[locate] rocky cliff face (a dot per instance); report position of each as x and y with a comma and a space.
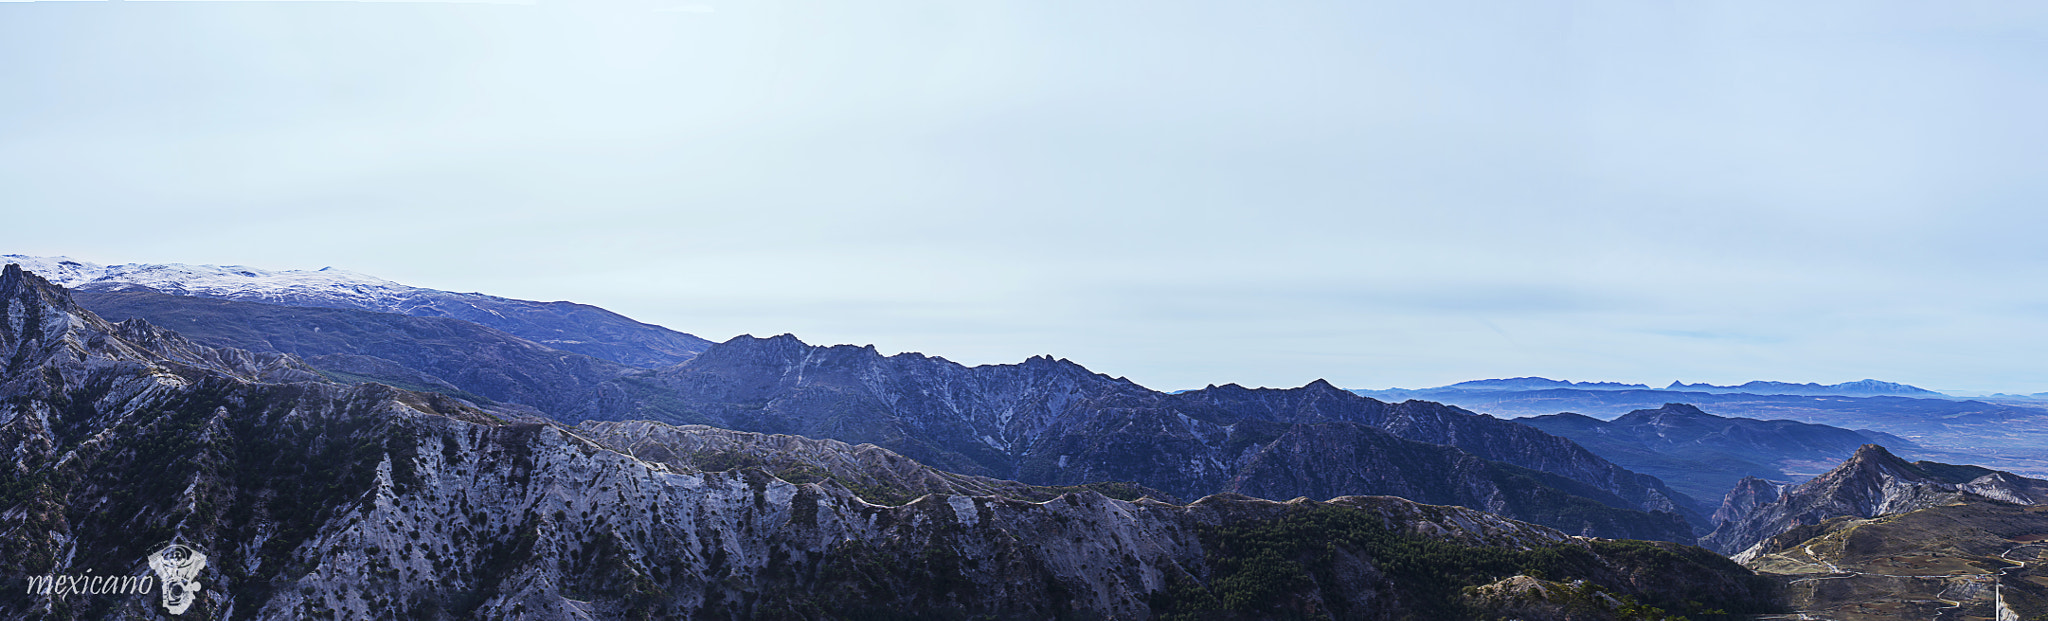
316, 500
1749, 493
1871, 483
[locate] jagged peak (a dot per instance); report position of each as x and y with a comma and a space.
44, 310
1875, 458
16, 282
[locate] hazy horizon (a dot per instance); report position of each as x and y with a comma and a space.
1376, 194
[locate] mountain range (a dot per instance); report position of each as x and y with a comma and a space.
342, 453
319, 499
1053, 422
1539, 383
1703, 455
1043, 421
1860, 388
2005, 433
565, 326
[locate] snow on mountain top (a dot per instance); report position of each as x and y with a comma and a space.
221, 281
60, 270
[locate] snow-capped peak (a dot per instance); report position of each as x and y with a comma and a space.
338, 287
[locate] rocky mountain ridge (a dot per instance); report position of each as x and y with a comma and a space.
1703, 455
1871, 483
1053, 422
2006, 434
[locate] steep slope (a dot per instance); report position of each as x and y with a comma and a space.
1871, 483
315, 500
425, 353
1052, 422
566, 326
1748, 494
1703, 455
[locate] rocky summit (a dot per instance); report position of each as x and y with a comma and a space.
311, 499
1871, 483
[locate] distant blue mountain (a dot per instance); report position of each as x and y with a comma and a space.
1540, 383
2004, 433
1862, 388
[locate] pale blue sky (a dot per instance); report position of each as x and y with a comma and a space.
1381, 194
